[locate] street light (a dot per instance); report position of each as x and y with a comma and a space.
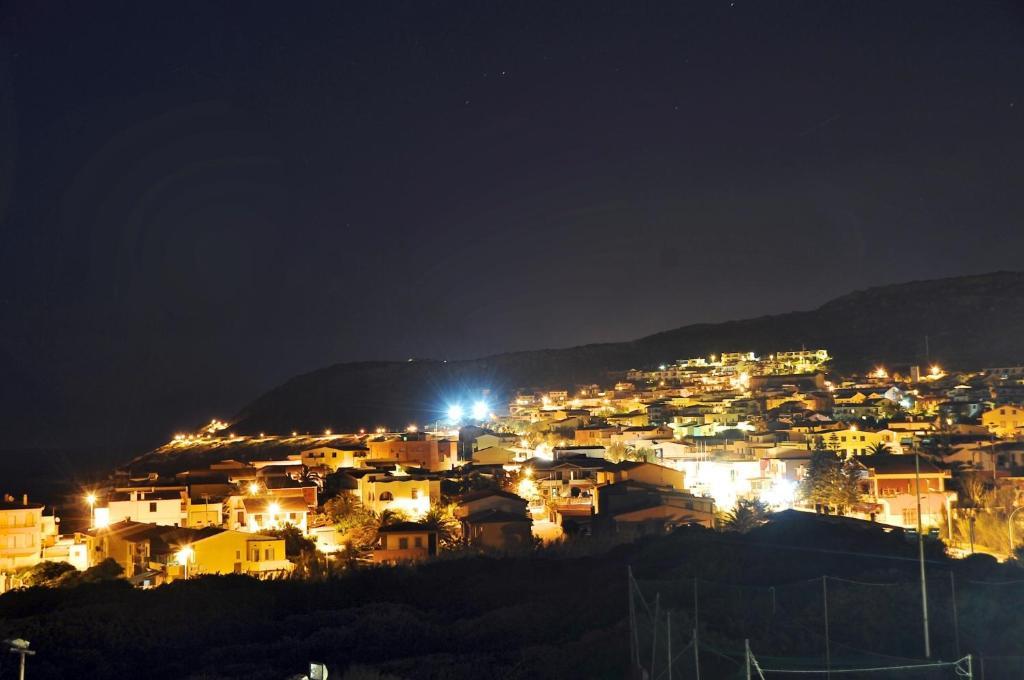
480, 410
1009, 523
184, 555
90, 498
19, 646
455, 413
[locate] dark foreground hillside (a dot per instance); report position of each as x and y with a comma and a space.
550, 616
969, 322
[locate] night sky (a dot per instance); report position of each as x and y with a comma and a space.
199, 200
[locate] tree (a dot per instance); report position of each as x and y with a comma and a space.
294, 542
641, 455
616, 452
830, 484
879, 449
442, 520
747, 515
974, 496
48, 574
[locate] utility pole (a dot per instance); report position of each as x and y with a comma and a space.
956, 618
654, 632
828, 644
746, 648
668, 636
920, 558
634, 641
696, 638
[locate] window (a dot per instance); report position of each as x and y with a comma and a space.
240, 517
256, 555
387, 496
418, 541
268, 554
909, 516
415, 494
403, 543
238, 554
152, 506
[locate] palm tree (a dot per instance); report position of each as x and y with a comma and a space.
879, 449
443, 522
747, 515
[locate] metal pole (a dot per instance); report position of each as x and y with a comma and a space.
21, 667
920, 557
828, 646
654, 632
668, 644
696, 638
746, 647
956, 619
634, 644
970, 668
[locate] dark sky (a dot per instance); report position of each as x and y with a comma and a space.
199, 200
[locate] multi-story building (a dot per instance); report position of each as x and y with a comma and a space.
407, 491
21, 533
415, 449
334, 457
166, 506
1005, 420
890, 484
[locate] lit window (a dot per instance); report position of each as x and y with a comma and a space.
387, 496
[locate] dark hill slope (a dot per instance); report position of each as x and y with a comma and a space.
969, 321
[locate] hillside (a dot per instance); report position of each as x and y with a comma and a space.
970, 321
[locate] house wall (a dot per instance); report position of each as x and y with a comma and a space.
409, 495
165, 512
20, 537
501, 536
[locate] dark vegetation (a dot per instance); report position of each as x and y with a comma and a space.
559, 613
970, 322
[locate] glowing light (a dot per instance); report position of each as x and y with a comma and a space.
274, 509
527, 488
935, 371
185, 554
411, 428
294, 433
254, 488
455, 413
880, 373
480, 410
91, 499
101, 518
781, 494
327, 431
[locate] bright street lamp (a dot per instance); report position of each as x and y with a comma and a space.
1009, 523
90, 498
455, 413
184, 555
480, 410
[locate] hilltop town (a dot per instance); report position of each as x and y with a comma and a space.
720, 441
